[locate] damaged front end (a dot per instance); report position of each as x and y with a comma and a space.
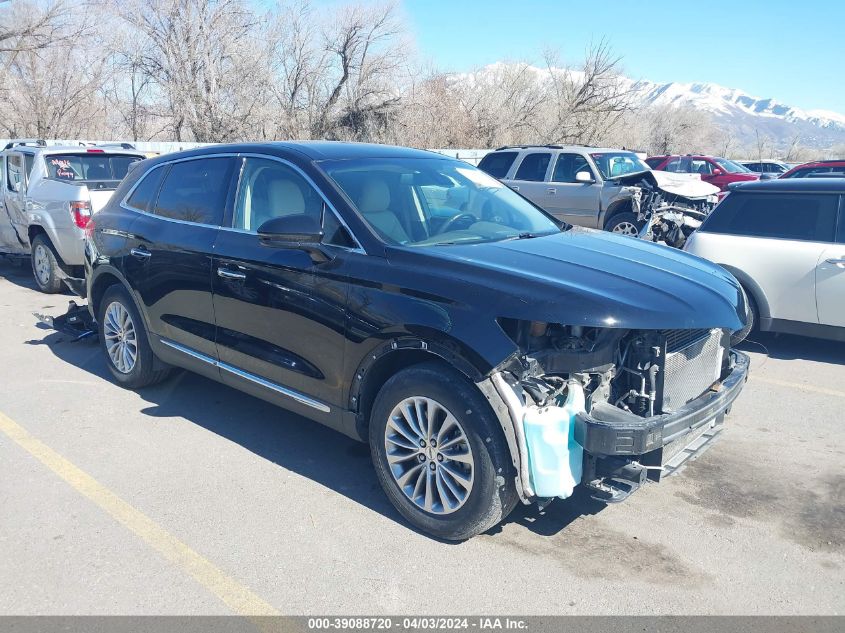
631, 405
669, 206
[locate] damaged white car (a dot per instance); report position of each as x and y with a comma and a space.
606, 189
48, 197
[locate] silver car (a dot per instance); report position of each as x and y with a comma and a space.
595, 187
49, 195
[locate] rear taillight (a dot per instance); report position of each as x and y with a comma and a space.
89, 230
81, 213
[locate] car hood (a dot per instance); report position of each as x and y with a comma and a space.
587, 277
689, 186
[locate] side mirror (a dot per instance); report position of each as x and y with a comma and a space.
584, 176
300, 232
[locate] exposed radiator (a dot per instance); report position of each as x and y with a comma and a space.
693, 363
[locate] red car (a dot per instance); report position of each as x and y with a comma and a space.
713, 169
829, 167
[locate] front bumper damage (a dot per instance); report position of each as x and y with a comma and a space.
622, 450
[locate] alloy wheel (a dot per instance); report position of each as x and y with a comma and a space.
42, 264
429, 455
121, 337
626, 228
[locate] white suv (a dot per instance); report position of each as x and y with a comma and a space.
784, 241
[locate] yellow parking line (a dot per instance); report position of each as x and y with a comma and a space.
798, 385
235, 595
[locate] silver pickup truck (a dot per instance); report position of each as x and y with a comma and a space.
48, 197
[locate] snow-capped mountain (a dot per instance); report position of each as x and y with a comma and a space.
746, 114
747, 118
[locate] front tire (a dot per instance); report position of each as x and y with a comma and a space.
752, 321
45, 266
624, 224
440, 454
124, 342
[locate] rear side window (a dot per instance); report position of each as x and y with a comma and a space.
533, 167
806, 217
195, 191
568, 165
653, 162
144, 196
497, 164
90, 166
14, 172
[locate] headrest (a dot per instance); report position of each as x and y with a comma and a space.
285, 198
375, 197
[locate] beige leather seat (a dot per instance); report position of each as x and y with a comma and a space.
284, 197
374, 203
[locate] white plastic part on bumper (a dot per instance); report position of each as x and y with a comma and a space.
555, 459
552, 465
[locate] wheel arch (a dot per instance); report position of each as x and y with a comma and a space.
36, 229
391, 357
615, 208
753, 289
105, 278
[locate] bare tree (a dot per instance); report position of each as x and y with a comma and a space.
586, 102
203, 57
358, 93
32, 25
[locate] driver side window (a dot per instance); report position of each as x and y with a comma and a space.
701, 167
270, 189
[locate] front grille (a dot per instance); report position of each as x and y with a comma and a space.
693, 364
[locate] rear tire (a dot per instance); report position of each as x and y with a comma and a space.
624, 224
45, 266
433, 431
124, 342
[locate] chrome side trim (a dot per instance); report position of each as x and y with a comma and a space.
290, 393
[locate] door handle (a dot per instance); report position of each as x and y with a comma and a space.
551, 191
140, 253
836, 261
515, 187
225, 273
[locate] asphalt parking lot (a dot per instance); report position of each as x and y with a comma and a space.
192, 498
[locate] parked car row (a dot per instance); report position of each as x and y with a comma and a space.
488, 351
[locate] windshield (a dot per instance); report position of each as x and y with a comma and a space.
89, 166
731, 167
615, 164
432, 201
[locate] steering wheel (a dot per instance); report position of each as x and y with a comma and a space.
463, 215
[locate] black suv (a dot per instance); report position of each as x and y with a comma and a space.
413, 302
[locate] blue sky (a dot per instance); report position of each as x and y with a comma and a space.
790, 50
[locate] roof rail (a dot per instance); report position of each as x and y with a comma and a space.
26, 142
529, 146
120, 145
